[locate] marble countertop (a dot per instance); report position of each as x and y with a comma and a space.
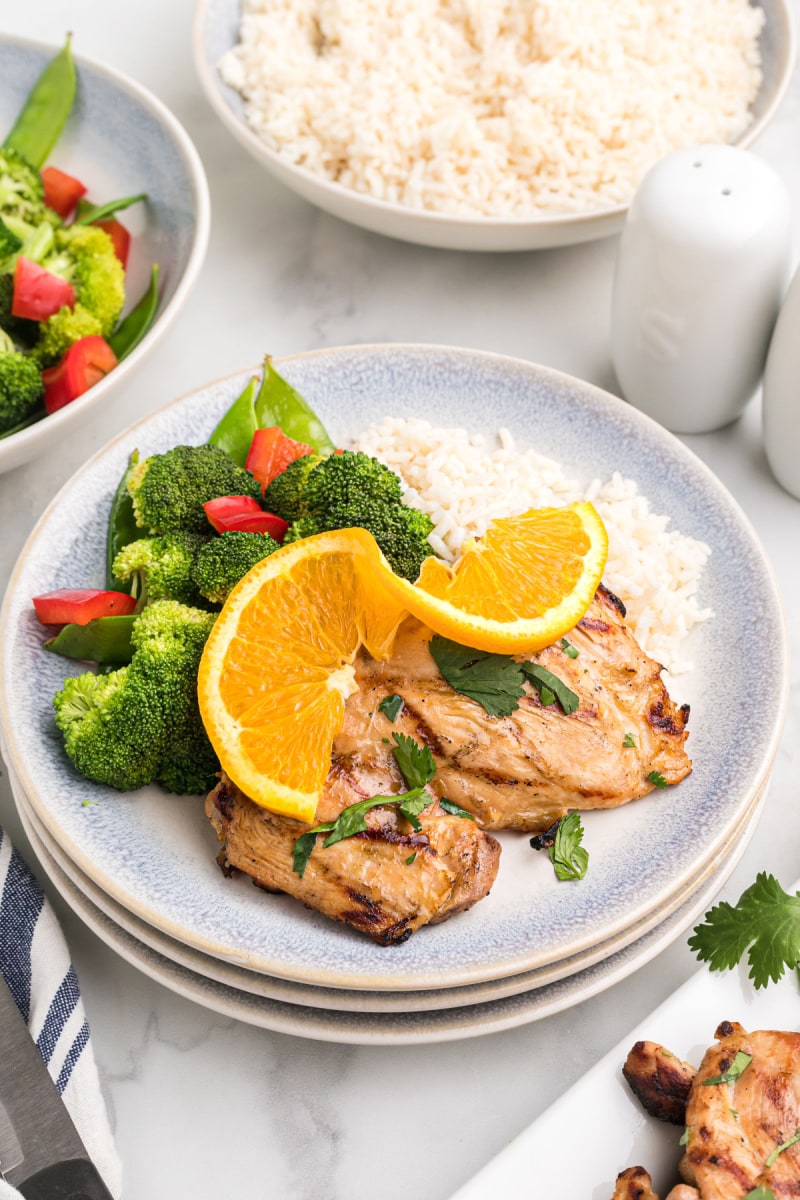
205, 1106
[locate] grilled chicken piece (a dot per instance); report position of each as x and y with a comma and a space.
736, 1128
634, 1183
660, 1081
387, 882
527, 770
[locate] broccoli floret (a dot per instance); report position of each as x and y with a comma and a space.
226, 559
21, 190
285, 496
160, 568
141, 723
10, 243
169, 490
21, 386
354, 489
84, 256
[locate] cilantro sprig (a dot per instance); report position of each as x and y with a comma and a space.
764, 924
562, 841
390, 706
496, 681
417, 766
738, 1067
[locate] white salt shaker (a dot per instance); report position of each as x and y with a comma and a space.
781, 401
702, 265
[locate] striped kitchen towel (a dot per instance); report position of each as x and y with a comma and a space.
35, 963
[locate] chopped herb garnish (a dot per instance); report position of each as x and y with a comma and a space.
567, 855
780, 1149
657, 779
762, 1192
387, 740
739, 1065
454, 809
415, 762
86, 803
568, 649
765, 923
628, 740
390, 706
352, 820
493, 680
734, 1113
684, 1137
411, 858
550, 687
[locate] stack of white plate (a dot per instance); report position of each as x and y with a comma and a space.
140, 868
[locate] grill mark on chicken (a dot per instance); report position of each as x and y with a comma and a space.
634, 1183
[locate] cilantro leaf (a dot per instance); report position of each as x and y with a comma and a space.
684, 1137
657, 779
780, 1149
390, 706
493, 680
550, 687
454, 809
628, 740
738, 1067
411, 858
568, 649
567, 855
762, 1192
352, 820
416, 762
765, 923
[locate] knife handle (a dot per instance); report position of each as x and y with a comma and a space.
74, 1179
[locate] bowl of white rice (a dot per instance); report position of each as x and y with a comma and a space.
487, 124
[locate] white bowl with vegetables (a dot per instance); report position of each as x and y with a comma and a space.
105, 218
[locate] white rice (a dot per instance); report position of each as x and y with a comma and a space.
463, 482
494, 107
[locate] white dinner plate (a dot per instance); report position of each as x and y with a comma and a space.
155, 854
214, 984
359, 1000
615, 1133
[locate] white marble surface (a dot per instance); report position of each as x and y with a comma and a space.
207, 1107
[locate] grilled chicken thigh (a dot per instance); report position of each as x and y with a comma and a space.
386, 882
527, 770
660, 1081
739, 1130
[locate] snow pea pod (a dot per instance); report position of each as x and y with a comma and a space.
277, 403
234, 433
106, 640
122, 528
89, 213
44, 113
132, 328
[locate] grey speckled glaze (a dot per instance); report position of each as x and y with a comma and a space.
325, 1014
154, 854
217, 31
120, 140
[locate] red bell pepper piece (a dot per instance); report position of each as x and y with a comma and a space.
39, 293
85, 363
270, 453
120, 238
243, 514
61, 191
79, 606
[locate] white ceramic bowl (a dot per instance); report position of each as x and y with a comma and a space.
120, 140
217, 30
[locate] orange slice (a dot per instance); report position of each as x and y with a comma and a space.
277, 667
523, 585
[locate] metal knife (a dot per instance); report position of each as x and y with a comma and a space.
41, 1152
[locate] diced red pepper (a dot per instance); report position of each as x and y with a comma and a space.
79, 606
39, 293
270, 453
120, 238
85, 363
61, 191
243, 514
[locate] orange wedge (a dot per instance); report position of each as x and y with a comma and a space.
277, 667
521, 587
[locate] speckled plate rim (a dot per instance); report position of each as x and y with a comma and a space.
342, 999
398, 1028
65, 417
470, 949
447, 230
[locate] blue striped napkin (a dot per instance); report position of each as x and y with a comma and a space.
35, 963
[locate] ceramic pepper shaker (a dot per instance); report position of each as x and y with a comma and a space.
781, 402
702, 265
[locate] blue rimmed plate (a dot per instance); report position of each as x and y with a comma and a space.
154, 854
